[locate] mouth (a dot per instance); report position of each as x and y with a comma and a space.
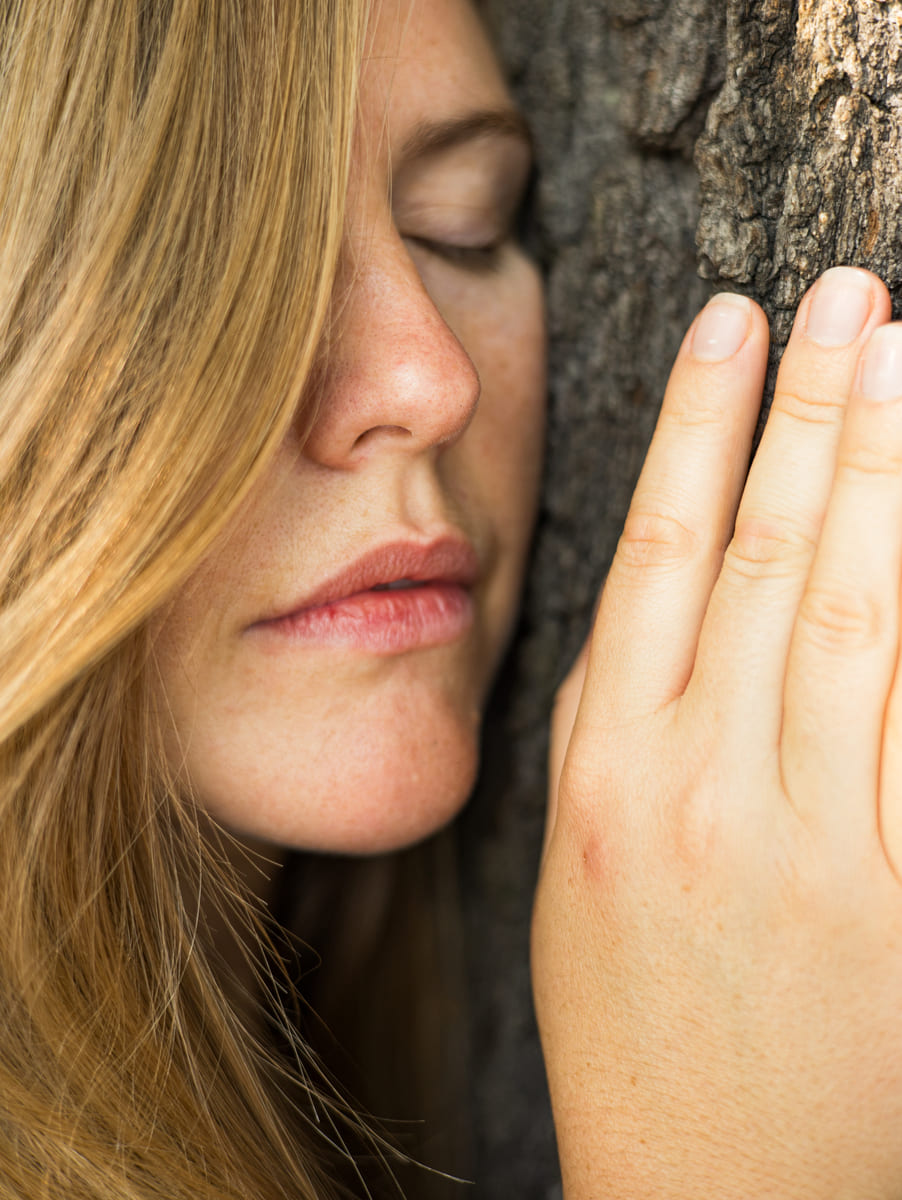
398, 597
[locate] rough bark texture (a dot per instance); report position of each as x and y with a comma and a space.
799, 164
638, 217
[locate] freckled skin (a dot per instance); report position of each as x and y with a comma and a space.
431, 421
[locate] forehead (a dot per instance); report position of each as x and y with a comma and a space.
428, 59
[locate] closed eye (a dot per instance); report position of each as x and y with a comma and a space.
485, 257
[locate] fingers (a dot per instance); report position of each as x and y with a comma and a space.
789, 640
845, 642
667, 560
744, 646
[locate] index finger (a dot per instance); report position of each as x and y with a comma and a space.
681, 516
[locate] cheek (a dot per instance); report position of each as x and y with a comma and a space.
507, 341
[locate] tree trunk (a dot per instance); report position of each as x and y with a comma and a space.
682, 145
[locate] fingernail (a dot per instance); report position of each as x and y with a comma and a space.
880, 377
840, 306
722, 327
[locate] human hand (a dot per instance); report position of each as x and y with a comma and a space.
717, 936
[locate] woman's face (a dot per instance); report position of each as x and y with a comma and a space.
327, 665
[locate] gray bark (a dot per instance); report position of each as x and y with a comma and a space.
799, 164
683, 145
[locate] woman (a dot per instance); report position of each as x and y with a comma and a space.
272, 368
237, 427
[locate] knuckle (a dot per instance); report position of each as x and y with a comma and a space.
702, 410
761, 547
870, 459
811, 408
652, 539
842, 618
591, 787
582, 780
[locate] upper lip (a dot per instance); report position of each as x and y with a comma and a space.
446, 559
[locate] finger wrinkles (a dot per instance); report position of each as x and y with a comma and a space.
844, 619
657, 539
877, 456
703, 408
763, 547
817, 407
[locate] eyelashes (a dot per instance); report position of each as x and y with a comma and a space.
480, 259
471, 234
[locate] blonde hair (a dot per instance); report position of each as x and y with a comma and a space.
172, 179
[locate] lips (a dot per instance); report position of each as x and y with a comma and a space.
398, 597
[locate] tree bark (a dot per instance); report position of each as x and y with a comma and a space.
683, 146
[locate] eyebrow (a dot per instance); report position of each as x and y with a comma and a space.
430, 137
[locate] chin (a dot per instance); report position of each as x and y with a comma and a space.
398, 809
370, 784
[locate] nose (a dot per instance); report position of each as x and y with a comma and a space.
396, 378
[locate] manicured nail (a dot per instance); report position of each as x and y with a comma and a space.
840, 306
722, 327
880, 377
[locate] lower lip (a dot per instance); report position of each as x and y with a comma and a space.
382, 622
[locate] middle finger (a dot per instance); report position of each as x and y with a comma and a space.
744, 643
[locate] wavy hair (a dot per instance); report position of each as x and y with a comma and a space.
172, 180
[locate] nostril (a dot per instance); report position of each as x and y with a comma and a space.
381, 431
